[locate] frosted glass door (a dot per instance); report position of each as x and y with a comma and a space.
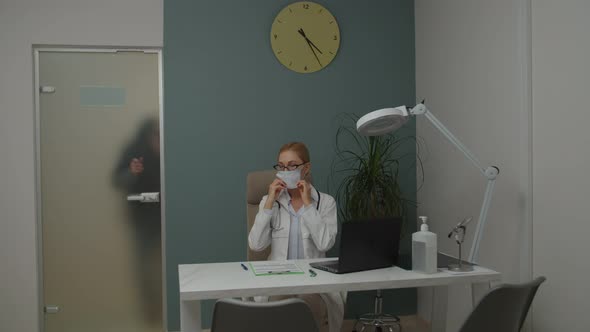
99, 151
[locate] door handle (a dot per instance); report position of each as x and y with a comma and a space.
51, 309
144, 197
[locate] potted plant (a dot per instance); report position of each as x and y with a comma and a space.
368, 172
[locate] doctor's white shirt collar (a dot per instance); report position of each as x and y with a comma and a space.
284, 197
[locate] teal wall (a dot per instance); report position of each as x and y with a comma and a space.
229, 106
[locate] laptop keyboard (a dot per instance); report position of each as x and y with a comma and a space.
330, 266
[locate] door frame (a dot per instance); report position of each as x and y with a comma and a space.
37, 49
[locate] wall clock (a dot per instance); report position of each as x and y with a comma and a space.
305, 37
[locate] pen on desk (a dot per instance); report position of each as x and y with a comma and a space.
312, 273
244, 267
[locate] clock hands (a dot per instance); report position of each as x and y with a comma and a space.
310, 44
316, 56
301, 32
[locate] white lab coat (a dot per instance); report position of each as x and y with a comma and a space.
319, 227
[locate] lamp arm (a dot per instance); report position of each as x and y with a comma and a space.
421, 109
490, 173
487, 200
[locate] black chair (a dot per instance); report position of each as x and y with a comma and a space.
290, 315
503, 308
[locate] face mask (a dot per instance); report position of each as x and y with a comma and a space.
290, 177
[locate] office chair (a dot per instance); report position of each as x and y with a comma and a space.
290, 315
503, 308
256, 187
377, 319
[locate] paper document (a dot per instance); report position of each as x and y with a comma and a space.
266, 268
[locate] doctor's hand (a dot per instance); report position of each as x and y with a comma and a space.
305, 191
273, 191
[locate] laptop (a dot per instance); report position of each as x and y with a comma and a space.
365, 245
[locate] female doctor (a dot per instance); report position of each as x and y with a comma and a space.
297, 221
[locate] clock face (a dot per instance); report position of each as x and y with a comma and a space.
305, 37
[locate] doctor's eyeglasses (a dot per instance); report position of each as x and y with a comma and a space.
288, 167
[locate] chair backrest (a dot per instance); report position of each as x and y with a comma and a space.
504, 308
290, 315
256, 187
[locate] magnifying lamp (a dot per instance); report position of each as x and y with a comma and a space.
386, 120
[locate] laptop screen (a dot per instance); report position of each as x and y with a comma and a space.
369, 244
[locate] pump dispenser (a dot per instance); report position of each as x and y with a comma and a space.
424, 249
423, 225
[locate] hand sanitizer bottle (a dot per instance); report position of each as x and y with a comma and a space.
424, 249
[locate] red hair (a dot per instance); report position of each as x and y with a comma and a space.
299, 148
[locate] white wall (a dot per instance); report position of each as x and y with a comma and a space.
472, 68
561, 85
24, 23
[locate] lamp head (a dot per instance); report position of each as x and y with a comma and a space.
383, 121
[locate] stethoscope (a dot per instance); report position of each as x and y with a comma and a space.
279, 204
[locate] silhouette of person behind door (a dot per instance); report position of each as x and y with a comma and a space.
138, 171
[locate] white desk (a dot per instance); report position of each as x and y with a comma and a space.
222, 280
